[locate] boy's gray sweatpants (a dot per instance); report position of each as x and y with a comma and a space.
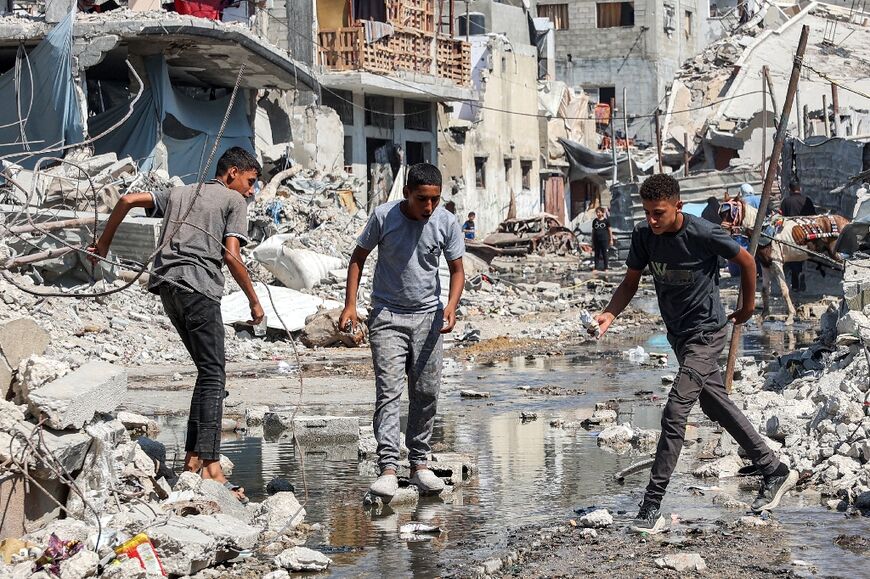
699, 378
405, 346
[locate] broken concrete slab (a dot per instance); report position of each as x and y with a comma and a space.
228, 531
326, 429
71, 401
183, 550
322, 331
81, 565
405, 496
302, 559
20, 339
726, 466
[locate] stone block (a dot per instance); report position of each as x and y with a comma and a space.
139, 424
35, 371
326, 429
23, 510
72, 401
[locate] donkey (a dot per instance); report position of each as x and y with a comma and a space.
817, 233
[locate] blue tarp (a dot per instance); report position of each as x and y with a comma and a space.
54, 117
138, 136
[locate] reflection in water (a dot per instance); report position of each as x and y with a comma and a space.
528, 472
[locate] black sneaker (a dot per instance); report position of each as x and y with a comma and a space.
772, 489
649, 519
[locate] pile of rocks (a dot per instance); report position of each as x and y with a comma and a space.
90, 487
815, 402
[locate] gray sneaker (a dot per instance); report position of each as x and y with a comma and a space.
385, 486
772, 489
427, 482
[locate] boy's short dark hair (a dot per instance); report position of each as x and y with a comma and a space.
423, 174
240, 159
794, 186
660, 186
472, 214
599, 208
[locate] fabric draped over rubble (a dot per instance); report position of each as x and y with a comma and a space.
139, 135
54, 117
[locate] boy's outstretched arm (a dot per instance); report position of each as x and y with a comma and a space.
354, 274
621, 298
233, 259
124, 205
746, 263
457, 283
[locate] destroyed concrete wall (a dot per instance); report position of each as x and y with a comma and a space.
824, 167
505, 146
318, 138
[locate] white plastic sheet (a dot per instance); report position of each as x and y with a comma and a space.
293, 307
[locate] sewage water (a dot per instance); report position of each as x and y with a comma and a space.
528, 472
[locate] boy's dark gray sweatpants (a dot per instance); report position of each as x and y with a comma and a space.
699, 378
405, 346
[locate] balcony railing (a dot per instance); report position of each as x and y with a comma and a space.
409, 50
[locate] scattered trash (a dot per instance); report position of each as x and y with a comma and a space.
473, 394
284, 367
141, 548
590, 323
637, 355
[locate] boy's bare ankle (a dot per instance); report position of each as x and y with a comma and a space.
388, 472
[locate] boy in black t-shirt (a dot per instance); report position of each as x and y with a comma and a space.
682, 252
602, 239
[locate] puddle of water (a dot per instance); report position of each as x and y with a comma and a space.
528, 472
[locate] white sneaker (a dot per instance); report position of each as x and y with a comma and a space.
385, 486
427, 482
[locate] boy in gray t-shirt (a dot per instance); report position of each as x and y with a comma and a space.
407, 319
204, 227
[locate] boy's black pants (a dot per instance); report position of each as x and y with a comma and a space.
600, 252
699, 378
198, 321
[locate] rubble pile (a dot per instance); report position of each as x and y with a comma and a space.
101, 503
815, 402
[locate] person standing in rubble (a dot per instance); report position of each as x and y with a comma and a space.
602, 239
682, 252
796, 204
407, 319
205, 230
468, 228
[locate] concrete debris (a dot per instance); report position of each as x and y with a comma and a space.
726, 466
302, 559
82, 564
34, 372
622, 437
682, 562
814, 401
72, 401
138, 424
597, 519
322, 331
473, 394
280, 512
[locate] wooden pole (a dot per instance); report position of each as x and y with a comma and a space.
763, 119
825, 115
613, 136
659, 140
797, 101
685, 154
766, 72
769, 176
52, 225
835, 102
625, 130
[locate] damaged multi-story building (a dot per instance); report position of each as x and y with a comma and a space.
383, 65
163, 110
